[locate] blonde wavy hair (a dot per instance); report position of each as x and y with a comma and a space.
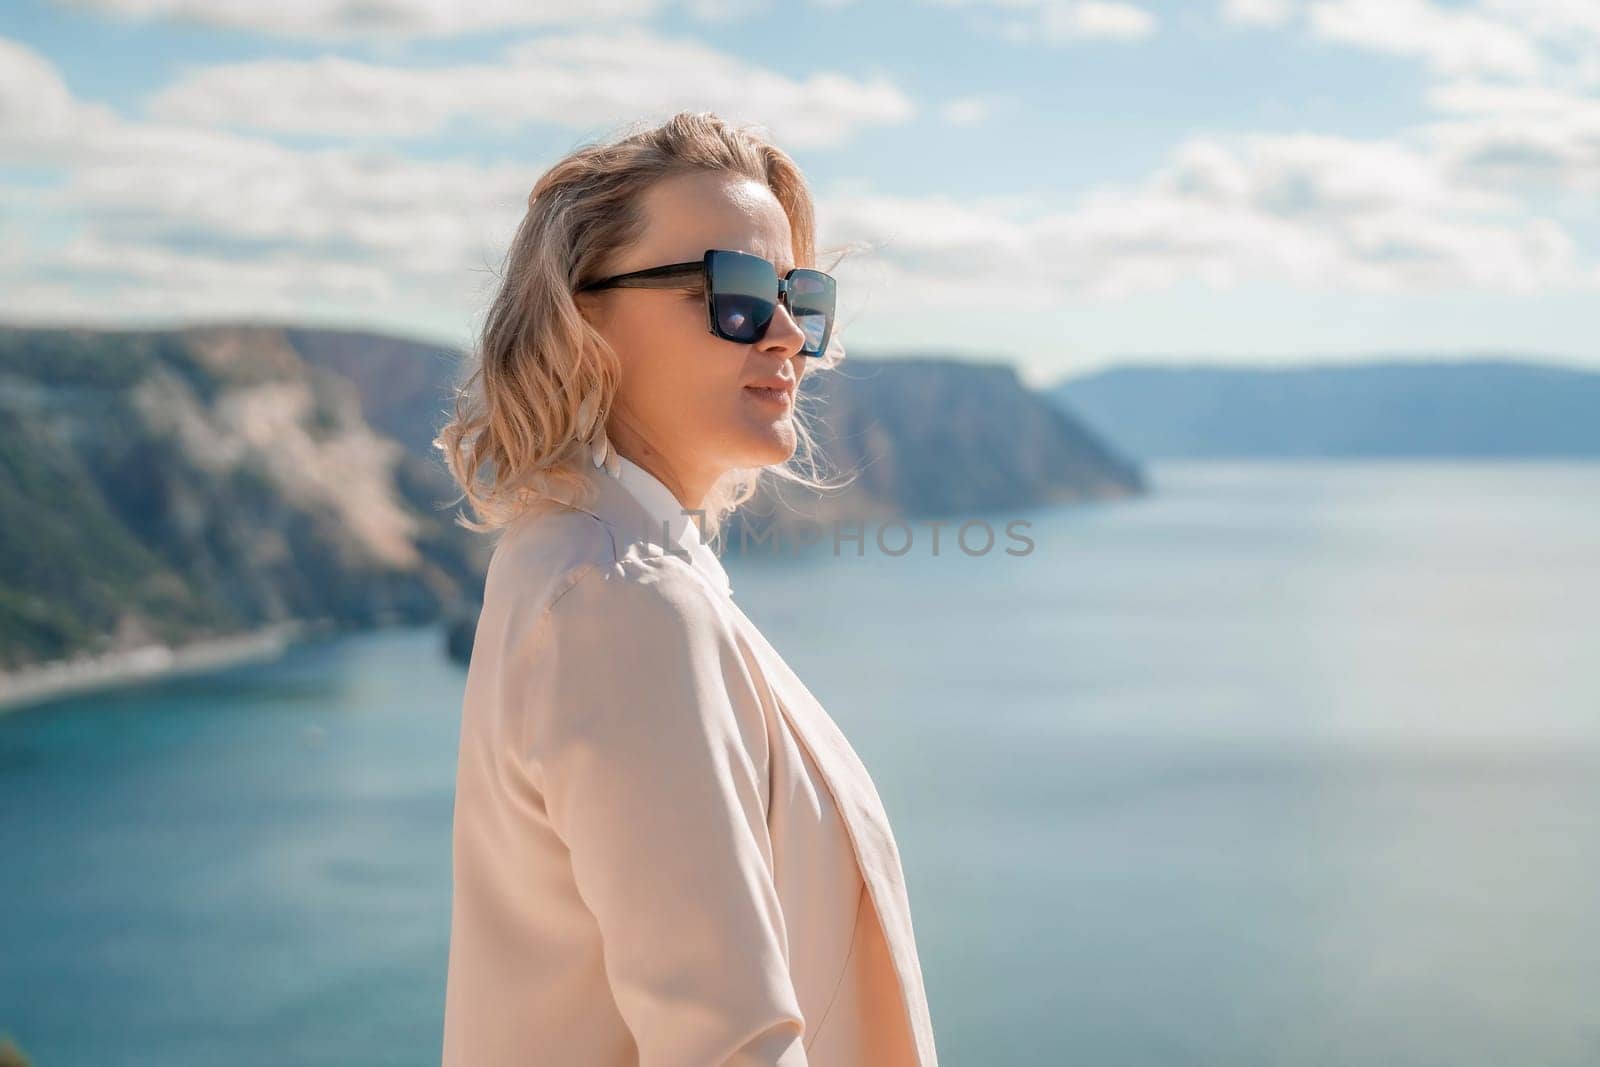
542, 380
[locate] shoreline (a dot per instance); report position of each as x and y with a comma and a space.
38, 684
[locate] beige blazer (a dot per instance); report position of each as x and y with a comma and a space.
665, 852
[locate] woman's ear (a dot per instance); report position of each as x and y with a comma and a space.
591, 307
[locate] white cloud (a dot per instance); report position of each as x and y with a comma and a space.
376, 19
1322, 213
1030, 21
33, 98
971, 110
1518, 137
1451, 40
1549, 18
1096, 19
41, 122
165, 219
1555, 41
170, 219
1326, 211
182, 214
1568, 30
573, 80
1259, 12
1515, 79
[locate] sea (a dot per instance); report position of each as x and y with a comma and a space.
1283, 763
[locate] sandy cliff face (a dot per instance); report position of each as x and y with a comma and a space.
307, 439
165, 486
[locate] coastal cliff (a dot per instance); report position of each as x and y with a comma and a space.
917, 437
160, 487
202, 487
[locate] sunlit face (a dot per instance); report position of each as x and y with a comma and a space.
684, 408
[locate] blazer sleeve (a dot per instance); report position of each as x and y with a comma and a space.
647, 739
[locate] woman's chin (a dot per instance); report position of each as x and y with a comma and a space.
769, 442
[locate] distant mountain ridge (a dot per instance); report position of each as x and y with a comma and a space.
919, 436
927, 437
167, 486
1382, 408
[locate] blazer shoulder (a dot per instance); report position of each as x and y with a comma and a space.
574, 560
541, 554
642, 593
632, 648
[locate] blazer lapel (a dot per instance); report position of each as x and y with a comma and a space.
868, 824
846, 777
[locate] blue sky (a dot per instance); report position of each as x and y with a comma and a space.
1064, 184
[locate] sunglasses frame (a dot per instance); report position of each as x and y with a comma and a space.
671, 276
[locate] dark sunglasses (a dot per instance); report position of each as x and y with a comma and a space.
742, 295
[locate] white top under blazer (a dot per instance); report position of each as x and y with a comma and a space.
665, 852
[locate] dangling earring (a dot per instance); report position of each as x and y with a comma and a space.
601, 452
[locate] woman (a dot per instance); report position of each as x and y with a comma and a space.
665, 852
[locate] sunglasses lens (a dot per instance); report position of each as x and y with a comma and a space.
743, 289
811, 300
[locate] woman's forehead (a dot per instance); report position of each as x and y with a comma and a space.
691, 251
742, 216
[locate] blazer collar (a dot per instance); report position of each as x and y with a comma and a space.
653, 495
641, 511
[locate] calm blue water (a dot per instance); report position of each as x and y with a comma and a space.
1285, 764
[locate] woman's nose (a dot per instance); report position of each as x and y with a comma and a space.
783, 331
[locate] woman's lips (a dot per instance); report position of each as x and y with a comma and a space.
779, 397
